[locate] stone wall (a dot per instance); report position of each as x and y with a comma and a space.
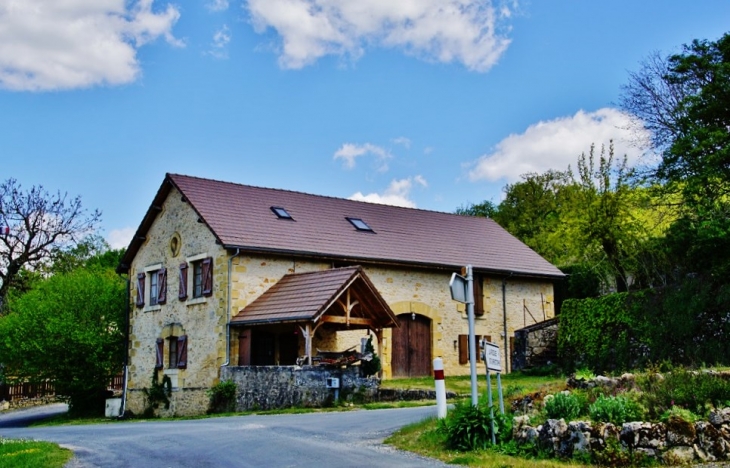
269, 387
536, 345
674, 442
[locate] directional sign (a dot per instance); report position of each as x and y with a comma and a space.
457, 284
494, 360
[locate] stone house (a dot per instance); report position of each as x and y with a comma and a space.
224, 275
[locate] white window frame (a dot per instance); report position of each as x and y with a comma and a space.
191, 279
148, 287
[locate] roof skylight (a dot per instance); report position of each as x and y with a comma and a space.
281, 212
360, 225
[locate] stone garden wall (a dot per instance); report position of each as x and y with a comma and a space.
674, 442
535, 345
269, 387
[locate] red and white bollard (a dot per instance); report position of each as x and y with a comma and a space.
438, 376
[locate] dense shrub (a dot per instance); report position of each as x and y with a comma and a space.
222, 397
566, 406
468, 427
597, 333
690, 390
615, 409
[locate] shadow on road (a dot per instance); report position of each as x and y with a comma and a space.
24, 417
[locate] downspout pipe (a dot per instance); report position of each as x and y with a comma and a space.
504, 321
228, 309
127, 322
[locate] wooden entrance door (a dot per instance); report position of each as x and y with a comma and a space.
412, 346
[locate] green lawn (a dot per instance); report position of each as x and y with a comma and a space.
20, 453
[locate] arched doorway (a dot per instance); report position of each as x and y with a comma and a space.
412, 346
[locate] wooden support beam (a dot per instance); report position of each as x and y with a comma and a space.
347, 307
347, 321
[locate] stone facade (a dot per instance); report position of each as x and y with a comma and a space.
176, 237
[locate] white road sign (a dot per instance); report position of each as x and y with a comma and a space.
494, 360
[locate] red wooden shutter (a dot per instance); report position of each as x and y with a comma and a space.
207, 270
182, 291
478, 296
463, 349
160, 349
182, 352
161, 285
140, 290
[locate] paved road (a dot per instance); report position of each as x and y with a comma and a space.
347, 439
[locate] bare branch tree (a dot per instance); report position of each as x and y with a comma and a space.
654, 100
32, 224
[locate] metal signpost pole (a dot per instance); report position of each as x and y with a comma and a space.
499, 390
489, 392
472, 339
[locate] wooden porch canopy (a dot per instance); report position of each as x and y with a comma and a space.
344, 298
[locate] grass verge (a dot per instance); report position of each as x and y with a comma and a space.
424, 439
21, 453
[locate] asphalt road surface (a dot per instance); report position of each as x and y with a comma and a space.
338, 439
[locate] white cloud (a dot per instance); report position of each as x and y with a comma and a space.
217, 5
66, 44
350, 151
396, 194
467, 31
555, 144
221, 38
119, 238
403, 141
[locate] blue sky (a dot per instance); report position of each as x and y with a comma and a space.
425, 103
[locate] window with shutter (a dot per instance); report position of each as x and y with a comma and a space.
140, 290
154, 285
182, 292
172, 353
160, 351
182, 352
198, 279
464, 348
207, 272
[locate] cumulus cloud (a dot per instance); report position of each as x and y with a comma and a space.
471, 32
348, 152
221, 38
66, 44
555, 144
396, 194
119, 238
217, 5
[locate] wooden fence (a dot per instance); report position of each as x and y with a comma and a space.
43, 389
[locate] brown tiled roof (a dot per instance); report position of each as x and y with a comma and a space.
301, 297
240, 216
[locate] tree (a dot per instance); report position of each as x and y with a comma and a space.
485, 209
68, 329
32, 224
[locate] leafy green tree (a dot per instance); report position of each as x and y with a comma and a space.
68, 329
91, 251
485, 209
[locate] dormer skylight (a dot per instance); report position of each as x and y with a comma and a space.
281, 212
360, 225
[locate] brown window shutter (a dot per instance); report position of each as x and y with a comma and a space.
463, 349
162, 285
478, 296
207, 270
182, 352
160, 350
140, 290
182, 292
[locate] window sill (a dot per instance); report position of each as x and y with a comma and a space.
197, 300
152, 308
